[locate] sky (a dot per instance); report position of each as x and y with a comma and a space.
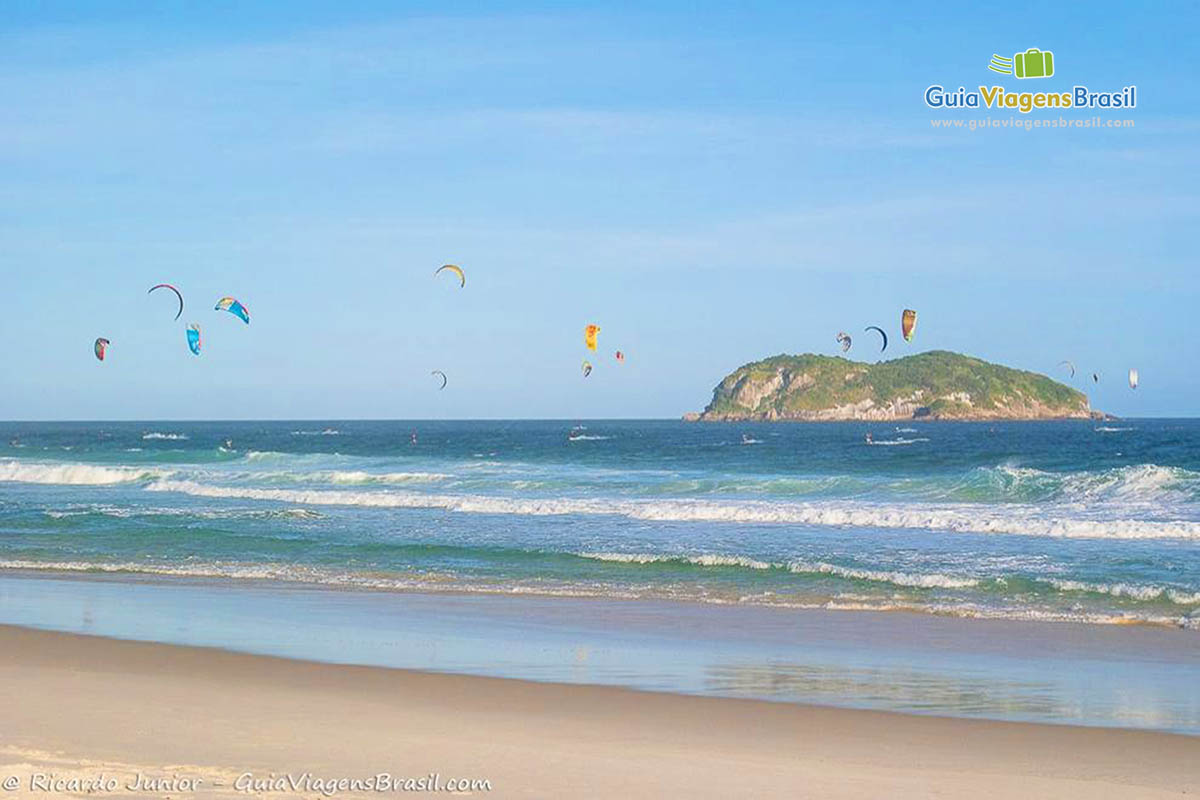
709, 184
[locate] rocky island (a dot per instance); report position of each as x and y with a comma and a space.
934, 385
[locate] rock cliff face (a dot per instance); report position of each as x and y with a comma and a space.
934, 385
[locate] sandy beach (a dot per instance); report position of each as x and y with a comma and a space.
211, 722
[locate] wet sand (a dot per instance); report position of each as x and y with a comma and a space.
1115, 676
79, 707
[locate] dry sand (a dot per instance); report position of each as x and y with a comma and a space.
79, 708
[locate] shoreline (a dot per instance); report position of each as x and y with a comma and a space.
212, 715
118, 575
1107, 676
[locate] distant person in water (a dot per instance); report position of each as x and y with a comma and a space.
412, 437
870, 438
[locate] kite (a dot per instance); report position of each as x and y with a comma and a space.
193, 338
587, 368
462, 279
1133, 379
443, 376
1069, 366
177, 294
620, 357
908, 323
881, 333
843, 339
100, 346
589, 336
233, 307
1095, 377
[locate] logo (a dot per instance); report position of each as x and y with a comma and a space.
1033, 63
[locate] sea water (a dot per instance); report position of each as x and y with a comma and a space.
1057, 522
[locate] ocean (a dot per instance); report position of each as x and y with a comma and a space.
1051, 521
1095, 524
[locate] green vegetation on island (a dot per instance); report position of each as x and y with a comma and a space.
934, 385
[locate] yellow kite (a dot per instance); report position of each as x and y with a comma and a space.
589, 336
908, 323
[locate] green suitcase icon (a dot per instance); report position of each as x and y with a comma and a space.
1034, 63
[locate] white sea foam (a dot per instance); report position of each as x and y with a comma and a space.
703, 560
278, 572
342, 477
133, 512
972, 611
171, 436
264, 455
324, 432
291, 460
335, 497
74, 474
918, 581
964, 518
1133, 591
78, 512
356, 476
436, 582
921, 581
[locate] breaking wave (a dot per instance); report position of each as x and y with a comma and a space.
962, 518
1132, 591
698, 560
74, 474
119, 512
909, 580
349, 477
1147, 483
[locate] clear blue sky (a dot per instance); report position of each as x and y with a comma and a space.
709, 186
